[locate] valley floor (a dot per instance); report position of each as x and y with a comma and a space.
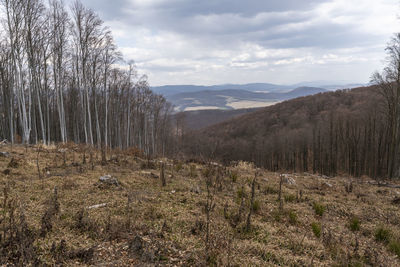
67, 216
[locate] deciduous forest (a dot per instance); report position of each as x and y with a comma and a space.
63, 79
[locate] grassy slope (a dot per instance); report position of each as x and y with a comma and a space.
168, 219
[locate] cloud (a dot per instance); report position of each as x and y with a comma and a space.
225, 41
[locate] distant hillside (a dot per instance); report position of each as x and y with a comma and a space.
234, 98
341, 131
168, 90
198, 119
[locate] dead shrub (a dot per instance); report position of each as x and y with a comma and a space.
18, 238
14, 163
85, 224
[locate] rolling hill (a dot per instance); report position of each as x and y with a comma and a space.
328, 133
168, 90
234, 98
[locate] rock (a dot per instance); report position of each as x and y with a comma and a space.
328, 185
265, 179
107, 179
288, 180
97, 206
4, 154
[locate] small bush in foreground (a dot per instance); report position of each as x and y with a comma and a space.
382, 234
256, 205
234, 176
394, 247
316, 228
319, 208
354, 224
290, 198
292, 217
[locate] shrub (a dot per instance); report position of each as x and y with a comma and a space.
354, 224
256, 205
277, 214
178, 166
290, 198
234, 176
319, 208
316, 228
394, 246
382, 234
292, 217
240, 194
271, 190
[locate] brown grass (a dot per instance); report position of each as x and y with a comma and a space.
145, 222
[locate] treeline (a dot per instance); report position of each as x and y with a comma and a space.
62, 79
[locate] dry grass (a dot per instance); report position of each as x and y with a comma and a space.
142, 222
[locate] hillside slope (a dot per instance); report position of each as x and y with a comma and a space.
67, 216
326, 133
198, 119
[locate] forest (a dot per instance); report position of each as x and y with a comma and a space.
62, 79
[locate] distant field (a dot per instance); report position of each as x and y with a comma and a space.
201, 108
250, 104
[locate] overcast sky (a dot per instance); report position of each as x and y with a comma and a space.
242, 41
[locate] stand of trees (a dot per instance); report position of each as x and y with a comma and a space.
63, 79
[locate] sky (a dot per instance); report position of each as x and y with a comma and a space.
206, 42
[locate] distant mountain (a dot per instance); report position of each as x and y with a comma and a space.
330, 85
168, 90
228, 99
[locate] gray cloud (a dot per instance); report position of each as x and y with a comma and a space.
219, 41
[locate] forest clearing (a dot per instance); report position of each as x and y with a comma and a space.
55, 210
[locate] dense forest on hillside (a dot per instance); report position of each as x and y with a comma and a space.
330, 133
197, 119
63, 79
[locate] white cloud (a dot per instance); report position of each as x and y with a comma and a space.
214, 42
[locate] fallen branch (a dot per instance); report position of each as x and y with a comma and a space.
384, 184
97, 206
